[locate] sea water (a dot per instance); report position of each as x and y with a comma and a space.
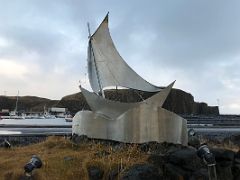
5, 130
55, 121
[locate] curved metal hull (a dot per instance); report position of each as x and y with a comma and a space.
137, 125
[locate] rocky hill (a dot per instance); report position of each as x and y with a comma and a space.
26, 103
178, 101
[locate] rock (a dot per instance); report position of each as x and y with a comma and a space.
237, 177
185, 164
173, 148
106, 142
186, 158
67, 158
224, 158
113, 174
175, 172
224, 173
160, 148
157, 160
236, 171
149, 146
79, 139
142, 172
237, 160
236, 166
144, 147
182, 163
23, 177
95, 173
101, 153
224, 161
235, 139
119, 147
237, 156
200, 174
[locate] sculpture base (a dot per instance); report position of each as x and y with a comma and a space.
137, 125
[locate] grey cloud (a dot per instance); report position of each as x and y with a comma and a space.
196, 41
188, 32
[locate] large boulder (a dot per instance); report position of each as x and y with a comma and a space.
142, 172
186, 158
235, 139
95, 173
172, 171
179, 163
224, 163
224, 157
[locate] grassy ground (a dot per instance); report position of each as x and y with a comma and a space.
64, 160
222, 145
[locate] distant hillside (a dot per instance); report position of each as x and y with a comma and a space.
178, 101
26, 103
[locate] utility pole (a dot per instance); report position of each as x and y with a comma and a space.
16, 107
218, 103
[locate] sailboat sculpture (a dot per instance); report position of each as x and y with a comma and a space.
126, 122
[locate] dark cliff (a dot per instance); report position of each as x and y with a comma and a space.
181, 102
178, 101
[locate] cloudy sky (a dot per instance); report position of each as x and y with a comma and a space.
43, 45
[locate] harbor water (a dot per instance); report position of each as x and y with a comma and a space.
34, 126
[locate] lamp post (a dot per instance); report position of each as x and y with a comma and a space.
193, 139
35, 162
209, 159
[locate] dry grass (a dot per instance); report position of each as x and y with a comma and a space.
227, 144
64, 160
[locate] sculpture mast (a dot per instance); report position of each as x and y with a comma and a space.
101, 93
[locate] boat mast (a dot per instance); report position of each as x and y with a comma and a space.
101, 93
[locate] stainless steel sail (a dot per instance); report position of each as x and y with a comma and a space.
112, 109
105, 107
130, 122
107, 68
